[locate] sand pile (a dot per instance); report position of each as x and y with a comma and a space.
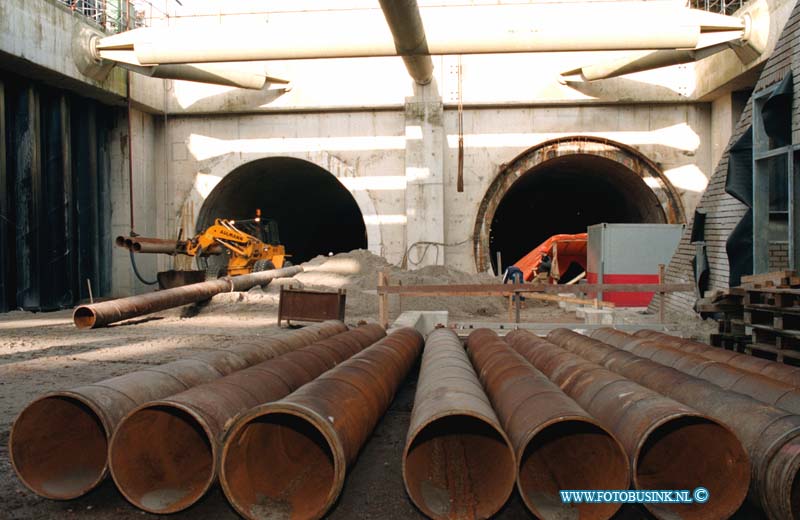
357, 273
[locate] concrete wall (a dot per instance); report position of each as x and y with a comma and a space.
368, 152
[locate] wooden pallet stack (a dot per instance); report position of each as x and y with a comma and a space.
771, 315
729, 308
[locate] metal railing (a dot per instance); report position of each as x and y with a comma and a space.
113, 15
717, 6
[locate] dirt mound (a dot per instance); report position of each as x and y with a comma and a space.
357, 273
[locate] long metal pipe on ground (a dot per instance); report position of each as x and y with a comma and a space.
770, 435
164, 455
104, 313
288, 459
59, 442
557, 444
670, 445
778, 371
760, 388
453, 426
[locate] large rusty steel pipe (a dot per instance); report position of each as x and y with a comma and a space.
59, 442
778, 371
770, 435
557, 444
288, 459
164, 455
760, 388
670, 445
105, 313
457, 462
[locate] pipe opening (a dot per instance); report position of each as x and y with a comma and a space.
162, 459
795, 497
58, 447
571, 454
315, 213
84, 317
279, 465
566, 195
692, 452
459, 467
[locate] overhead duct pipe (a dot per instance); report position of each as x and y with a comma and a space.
164, 455
453, 426
59, 443
770, 435
670, 445
774, 370
409, 37
288, 459
760, 388
749, 41
251, 76
557, 444
475, 29
101, 314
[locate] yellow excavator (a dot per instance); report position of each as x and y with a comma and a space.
251, 245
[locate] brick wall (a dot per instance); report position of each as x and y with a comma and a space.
723, 212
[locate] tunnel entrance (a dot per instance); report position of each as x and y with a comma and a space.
564, 186
315, 213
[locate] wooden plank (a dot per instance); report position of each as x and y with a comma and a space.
568, 299
767, 277
774, 350
507, 289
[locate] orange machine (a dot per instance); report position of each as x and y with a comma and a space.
562, 249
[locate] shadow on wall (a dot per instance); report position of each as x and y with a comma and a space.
316, 215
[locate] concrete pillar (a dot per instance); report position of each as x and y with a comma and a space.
424, 162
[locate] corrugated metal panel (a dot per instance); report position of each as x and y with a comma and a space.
56, 164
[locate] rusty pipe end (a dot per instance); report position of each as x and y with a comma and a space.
58, 446
282, 460
459, 464
163, 457
120, 242
84, 317
691, 451
136, 247
780, 492
570, 453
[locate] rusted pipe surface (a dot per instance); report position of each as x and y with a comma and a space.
760, 388
558, 445
770, 435
778, 371
457, 462
670, 445
288, 459
59, 442
164, 455
105, 313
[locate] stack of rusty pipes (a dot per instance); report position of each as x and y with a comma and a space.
778, 371
557, 444
770, 435
164, 455
670, 445
759, 387
457, 461
59, 443
289, 458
